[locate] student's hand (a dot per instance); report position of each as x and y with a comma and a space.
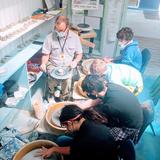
108, 59
131, 88
96, 101
43, 67
147, 105
45, 153
73, 64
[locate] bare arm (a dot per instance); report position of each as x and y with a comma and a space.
44, 60
88, 103
87, 43
45, 153
83, 41
78, 57
63, 150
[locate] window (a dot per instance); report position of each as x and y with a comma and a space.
133, 3
144, 4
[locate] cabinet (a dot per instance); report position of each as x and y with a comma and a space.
16, 69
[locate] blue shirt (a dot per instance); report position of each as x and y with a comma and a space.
131, 55
1, 89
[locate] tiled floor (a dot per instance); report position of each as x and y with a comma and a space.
149, 146
154, 46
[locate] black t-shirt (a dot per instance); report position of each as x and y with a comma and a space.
121, 107
93, 141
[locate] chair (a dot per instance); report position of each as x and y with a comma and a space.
155, 91
126, 150
146, 56
148, 117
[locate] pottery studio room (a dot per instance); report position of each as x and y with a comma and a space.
77, 73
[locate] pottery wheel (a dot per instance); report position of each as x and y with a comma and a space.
31, 156
60, 73
55, 117
84, 27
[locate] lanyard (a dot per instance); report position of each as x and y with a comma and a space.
62, 46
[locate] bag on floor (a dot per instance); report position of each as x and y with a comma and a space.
10, 142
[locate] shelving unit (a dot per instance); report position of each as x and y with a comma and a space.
38, 77
19, 60
16, 69
37, 23
13, 38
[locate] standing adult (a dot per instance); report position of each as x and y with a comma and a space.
61, 48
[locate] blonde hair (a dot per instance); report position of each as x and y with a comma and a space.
98, 67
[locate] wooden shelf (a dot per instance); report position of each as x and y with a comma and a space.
34, 25
15, 68
38, 76
6, 116
5, 43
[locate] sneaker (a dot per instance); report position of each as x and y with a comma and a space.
51, 100
58, 99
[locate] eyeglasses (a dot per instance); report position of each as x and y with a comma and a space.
92, 96
64, 124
